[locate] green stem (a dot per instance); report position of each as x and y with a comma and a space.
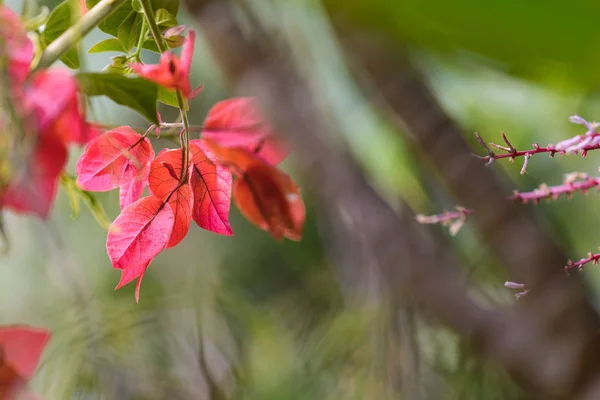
140, 44
67, 40
162, 46
185, 140
156, 35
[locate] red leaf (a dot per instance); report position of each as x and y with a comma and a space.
131, 191
172, 72
114, 159
53, 99
139, 234
11, 384
211, 185
164, 182
33, 186
17, 47
235, 158
128, 275
238, 122
271, 200
22, 348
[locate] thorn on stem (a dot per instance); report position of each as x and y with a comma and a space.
491, 154
525, 163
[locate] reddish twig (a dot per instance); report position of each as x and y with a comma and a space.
578, 265
579, 144
573, 182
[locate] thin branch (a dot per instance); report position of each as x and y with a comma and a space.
181, 101
579, 144
572, 183
578, 265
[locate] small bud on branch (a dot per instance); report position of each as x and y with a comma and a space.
578, 265
579, 144
517, 286
572, 182
453, 219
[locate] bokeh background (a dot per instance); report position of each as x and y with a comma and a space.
271, 320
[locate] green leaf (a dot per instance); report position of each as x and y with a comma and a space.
136, 93
172, 6
60, 19
119, 61
125, 29
107, 45
169, 97
151, 45
130, 31
112, 23
110, 68
165, 19
137, 6
175, 41
136, 31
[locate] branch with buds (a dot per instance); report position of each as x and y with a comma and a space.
579, 144
579, 265
572, 182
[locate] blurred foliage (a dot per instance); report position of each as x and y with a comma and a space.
533, 39
272, 316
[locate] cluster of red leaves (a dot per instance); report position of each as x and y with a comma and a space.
20, 350
190, 183
49, 117
236, 141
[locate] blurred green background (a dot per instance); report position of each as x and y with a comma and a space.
271, 320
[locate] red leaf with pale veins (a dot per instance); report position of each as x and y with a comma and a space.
165, 184
238, 122
211, 184
270, 199
139, 234
113, 159
33, 185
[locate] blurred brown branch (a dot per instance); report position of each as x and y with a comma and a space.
551, 344
515, 236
